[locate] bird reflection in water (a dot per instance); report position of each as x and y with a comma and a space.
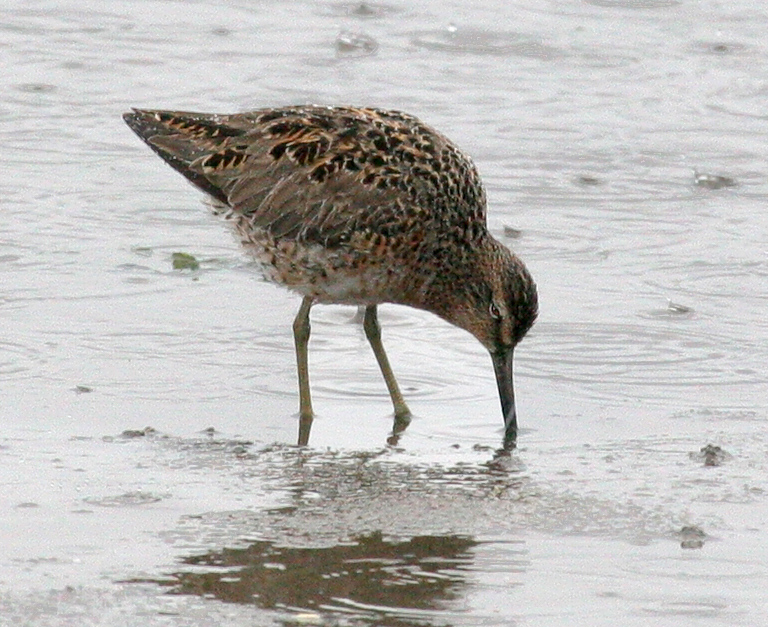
378, 581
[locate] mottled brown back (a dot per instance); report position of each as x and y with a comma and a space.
319, 174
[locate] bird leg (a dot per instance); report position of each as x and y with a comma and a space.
301, 337
373, 333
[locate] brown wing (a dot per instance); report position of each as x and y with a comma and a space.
319, 173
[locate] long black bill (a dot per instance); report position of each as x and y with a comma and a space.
502, 366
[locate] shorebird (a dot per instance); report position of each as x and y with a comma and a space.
357, 206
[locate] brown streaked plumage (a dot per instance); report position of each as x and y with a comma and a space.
357, 206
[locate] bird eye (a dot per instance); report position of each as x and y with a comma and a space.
494, 311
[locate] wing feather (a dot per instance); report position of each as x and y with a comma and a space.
318, 173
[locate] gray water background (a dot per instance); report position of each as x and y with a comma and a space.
587, 120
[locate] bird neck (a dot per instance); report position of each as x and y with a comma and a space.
459, 279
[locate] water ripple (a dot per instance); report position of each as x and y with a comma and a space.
721, 280
17, 360
663, 356
485, 42
634, 4
361, 10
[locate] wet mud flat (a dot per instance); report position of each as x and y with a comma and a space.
205, 529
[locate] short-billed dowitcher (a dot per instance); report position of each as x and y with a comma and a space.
357, 206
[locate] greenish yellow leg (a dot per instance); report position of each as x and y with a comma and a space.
373, 333
301, 337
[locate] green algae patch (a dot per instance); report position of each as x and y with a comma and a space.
184, 261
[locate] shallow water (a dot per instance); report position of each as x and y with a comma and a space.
589, 121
